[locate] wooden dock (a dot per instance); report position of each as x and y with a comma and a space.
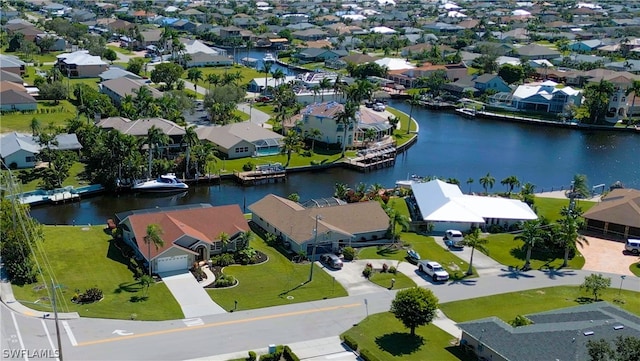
373, 159
253, 178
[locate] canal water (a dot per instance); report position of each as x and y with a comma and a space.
448, 146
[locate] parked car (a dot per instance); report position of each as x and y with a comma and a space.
331, 260
379, 107
453, 238
263, 99
633, 246
433, 270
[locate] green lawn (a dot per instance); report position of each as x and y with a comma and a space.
120, 50
387, 339
35, 58
276, 282
265, 107
83, 257
507, 306
384, 280
191, 92
550, 207
635, 269
46, 113
30, 178
243, 116
506, 250
401, 135
247, 73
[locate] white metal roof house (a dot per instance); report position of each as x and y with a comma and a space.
545, 97
80, 64
19, 150
445, 206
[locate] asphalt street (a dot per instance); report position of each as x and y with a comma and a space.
102, 339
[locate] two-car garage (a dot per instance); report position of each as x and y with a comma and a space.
175, 263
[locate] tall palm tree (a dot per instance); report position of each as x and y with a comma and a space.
346, 117
204, 152
635, 89
224, 240
213, 79
487, 182
531, 233
155, 140
315, 90
474, 241
278, 76
35, 126
413, 101
341, 190
469, 182
314, 133
153, 236
291, 143
142, 101
324, 84
396, 219
568, 234
579, 189
266, 70
194, 75
190, 139
511, 182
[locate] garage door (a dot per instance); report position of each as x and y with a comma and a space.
166, 264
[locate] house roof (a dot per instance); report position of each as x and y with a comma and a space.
536, 50
195, 46
80, 57
394, 63
124, 86
231, 134
115, 72
555, 335
12, 96
140, 127
358, 58
13, 142
298, 222
204, 224
10, 61
443, 202
323, 110
10, 77
620, 206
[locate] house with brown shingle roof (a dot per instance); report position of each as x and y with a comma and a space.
140, 127
325, 225
617, 215
118, 88
190, 233
15, 97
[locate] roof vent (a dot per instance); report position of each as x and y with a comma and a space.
588, 333
618, 327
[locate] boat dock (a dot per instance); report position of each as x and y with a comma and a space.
437, 105
372, 159
59, 195
263, 174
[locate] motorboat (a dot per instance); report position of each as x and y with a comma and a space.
164, 183
269, 58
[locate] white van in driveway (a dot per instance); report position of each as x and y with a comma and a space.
454, 238
633, 246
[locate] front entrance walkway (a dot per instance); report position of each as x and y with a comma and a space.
193, 299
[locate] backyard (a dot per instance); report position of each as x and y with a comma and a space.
47, 113
30, 178
79, 258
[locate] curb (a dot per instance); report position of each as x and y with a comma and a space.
6, 296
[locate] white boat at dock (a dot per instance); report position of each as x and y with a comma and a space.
269, 58
164, 183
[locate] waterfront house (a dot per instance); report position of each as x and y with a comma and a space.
545, 97
19, 150
617, 215
240, 140
445, 207
140, 128
118, 88
321, 116
258, 85
80, 64
191, 233
320, 226
310, 55
561, 334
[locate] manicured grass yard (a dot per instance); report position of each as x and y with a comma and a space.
276, 282
635, 269
32, 180
387, 339
46, 113
247, 73
83, 257
507, 251
384, 280
401, 135
550, 207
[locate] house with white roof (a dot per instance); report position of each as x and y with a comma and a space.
545, 97
394, 63
81, 64
257, 85
446, 207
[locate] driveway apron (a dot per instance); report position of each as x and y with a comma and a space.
193, 299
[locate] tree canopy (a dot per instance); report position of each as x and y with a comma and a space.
414, 307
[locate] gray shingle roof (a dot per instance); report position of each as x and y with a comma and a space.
13, 142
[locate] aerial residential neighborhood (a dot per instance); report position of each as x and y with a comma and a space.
320, 180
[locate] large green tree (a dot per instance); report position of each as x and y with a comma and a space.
167, 73
596, 101
18, 234
135, 65
596, 283
487, 182
568, 232
346, 119
511, 73
291, 143
414, 307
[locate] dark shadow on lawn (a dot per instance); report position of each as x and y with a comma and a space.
387, 251
128, 287
398, 344
136, 299
115, 254
514, 273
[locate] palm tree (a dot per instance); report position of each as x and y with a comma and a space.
266, 70
292, 142
487, 182
277, 75
142, 101
189, 139
203, 152
531, 233
396, 218
315, 90
155, 140
370, 135
314, 133
145, 281
568, 233
341, 191
325, 83
469, 182
511, 182
413, 101
153, 236
224, 240
213, 79
635, 89
346, 118
474, 241
246, 238
35, 126
194, 75
579, 189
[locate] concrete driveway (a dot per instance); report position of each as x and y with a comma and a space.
602, 255
350, 276
484, 265
193, 299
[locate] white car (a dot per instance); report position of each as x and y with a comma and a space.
379, 107
454, 238
434, 270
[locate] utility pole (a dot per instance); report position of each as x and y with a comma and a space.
55, 314
313, 250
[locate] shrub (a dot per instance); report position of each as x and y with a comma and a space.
385, 268
350, 342
225, 281
252, 356
349, 253
248, 166
393, 270
90, 295
223, 260
368, 270
289, 355
366, 355
495, 228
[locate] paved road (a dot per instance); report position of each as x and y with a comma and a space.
100, 339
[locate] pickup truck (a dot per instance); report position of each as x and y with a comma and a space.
433, 269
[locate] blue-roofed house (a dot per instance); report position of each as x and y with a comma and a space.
19, 150
586, 45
